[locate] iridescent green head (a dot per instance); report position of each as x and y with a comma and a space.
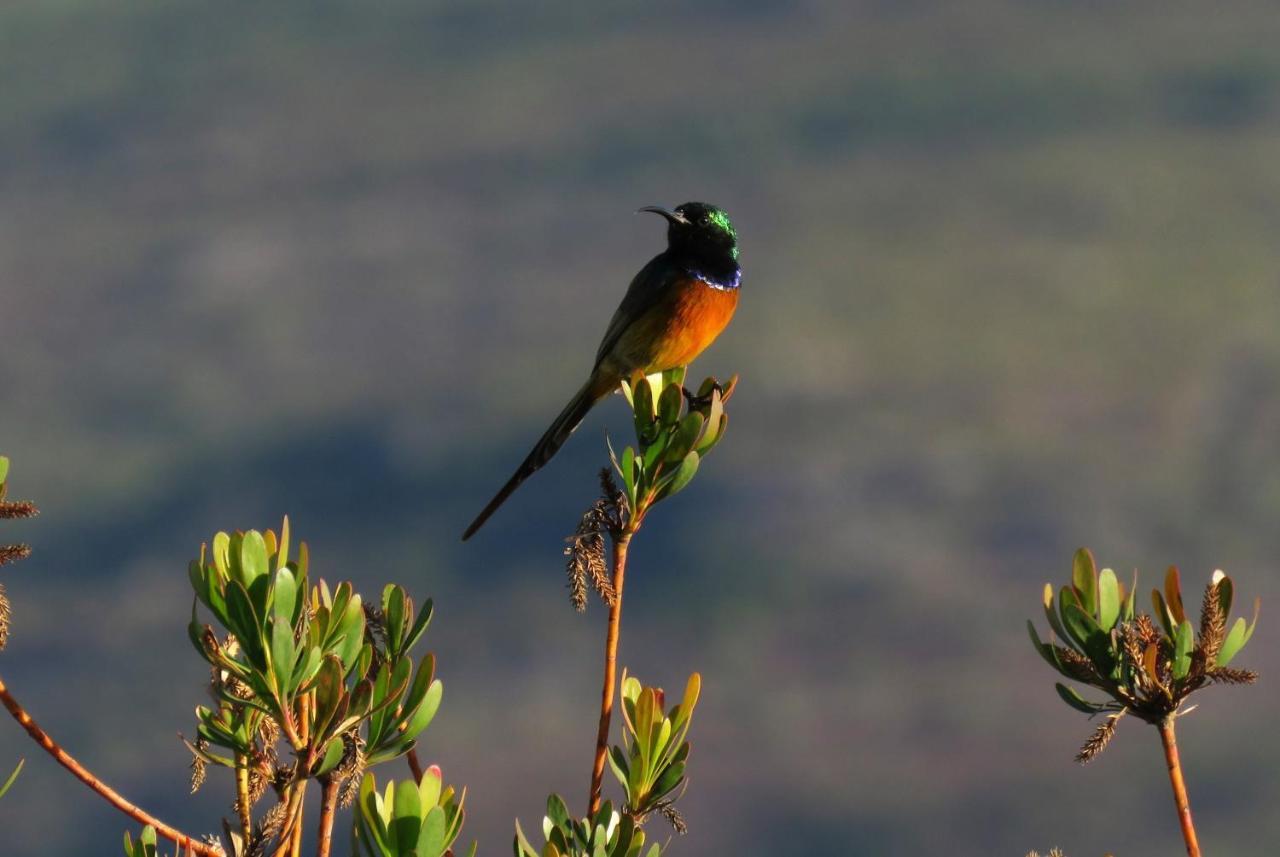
702, 232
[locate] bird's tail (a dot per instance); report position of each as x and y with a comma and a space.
596, 388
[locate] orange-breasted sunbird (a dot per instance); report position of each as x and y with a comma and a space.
674, 308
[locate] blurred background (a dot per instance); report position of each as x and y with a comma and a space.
1011, 287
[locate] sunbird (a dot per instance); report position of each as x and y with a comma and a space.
674, 308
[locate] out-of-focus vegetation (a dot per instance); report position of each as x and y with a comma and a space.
1011, 277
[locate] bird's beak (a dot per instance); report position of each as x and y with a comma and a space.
671, 216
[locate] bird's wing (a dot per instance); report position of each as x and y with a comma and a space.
647, 287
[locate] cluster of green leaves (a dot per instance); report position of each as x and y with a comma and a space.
606, 834
651, 763
1147, 667
674, 432
288, 641
144, 847
650, 766
421, 819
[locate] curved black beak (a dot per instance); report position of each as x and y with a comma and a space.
671, 216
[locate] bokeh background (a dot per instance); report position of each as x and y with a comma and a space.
1011, 287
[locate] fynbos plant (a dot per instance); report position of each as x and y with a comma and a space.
1147, 667
311, 667
675, 430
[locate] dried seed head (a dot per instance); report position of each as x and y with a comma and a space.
1131, 642
198, 766
1100, 738
18, 509
258, 783
1213, 623
1147, 633
350, 769
1231, 675
271, 824
5, 611
269, 733
1077, 665
586, 551
673, 817
13, 553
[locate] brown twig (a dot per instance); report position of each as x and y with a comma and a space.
62, 757
328, 805
610, 669
1179, 786
415, 766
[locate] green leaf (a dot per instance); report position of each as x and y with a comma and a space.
4, 469
431, 837
1183, 642
284, 596
686, 435
669, 405
717, 423
393, 617
245, 624
1054, 623
682, 476
1075, 700
426, 711
1095, 641
1046, 651
1084, 579
675, 376
282, 655
1161, 610
420, 624
1226, 591
333, 753
627, 469
330, 691
1108, 599
1173, 594
1237, 637
9, 782
407, 819
253, 557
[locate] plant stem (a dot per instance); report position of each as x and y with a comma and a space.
296, 848
415, 765
328, 805
1179, 786
87, 777
292, 819
620, 544
242, 796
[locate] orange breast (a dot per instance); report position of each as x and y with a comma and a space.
694, 318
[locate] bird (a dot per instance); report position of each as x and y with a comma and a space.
674, 308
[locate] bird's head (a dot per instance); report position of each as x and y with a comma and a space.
700, 230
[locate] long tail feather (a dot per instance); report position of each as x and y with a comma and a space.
547, 446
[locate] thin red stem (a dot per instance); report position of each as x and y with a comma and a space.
607, 692
328, 806
84, 775
415, 766
1180, 800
